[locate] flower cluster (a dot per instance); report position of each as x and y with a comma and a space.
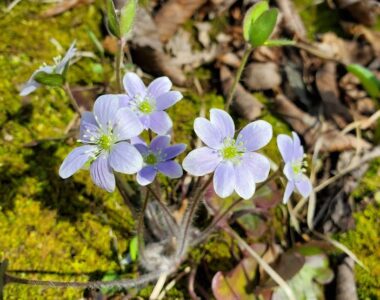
116, 121
112, 143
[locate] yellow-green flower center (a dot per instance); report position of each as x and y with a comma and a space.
151, 159
105, 142
145, 107
230, 152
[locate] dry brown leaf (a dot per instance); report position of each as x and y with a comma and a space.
293, 22
147, 50
314, 132
346, 284
173, 14
63, 6
244, 103
363, 11
262, 76
326, 81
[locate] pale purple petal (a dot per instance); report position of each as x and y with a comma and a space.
170, 168
222, 121
208, 133
255, 135
89, 128
298, 151
288, 191
124, 100
167, 100
201, 161
160, 122
224, 179
137, 140
29, 87
101, 173
159, 143
304, 186
125, 158
105, 109
127, 124
146, 175
245, 184
66, 59
288, 171
75, 160
143, 149
159, 86
145, 120
257, 164
133, 85
285, 145
173, 151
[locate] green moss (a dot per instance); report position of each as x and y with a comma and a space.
58, 229
364, 241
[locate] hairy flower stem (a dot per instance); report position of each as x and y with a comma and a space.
189, 216
272, 273
140, 226
239, 72
171, 219
73, 101
118, 63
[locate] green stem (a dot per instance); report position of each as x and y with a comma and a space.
118, 64
239, 72
74, 102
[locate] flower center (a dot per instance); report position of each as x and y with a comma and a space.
299, 167
230, 150
151, 159
105, 142
145, 107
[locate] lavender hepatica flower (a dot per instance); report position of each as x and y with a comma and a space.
105, 133
58, 68
149, 103
236, 164
158, 157
293, 154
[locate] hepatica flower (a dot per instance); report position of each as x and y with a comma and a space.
149, 103
105, 133
236, 164
293, 154
158, 157
57, 68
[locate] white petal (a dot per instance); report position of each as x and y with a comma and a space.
222, 121
201, 161
208, 133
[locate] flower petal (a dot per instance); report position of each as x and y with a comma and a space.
173, 151
222, 121
143, 149
288, 171
298, 151
245, 184
159, 86
208, 133
285, 146
224, 179
125, 158
66, 59
258, 165
133, 85
288, 191
304, 186
146, 175
105, 109
29, 87
201, 161
75, 160
101, 173
159, 143
89, 128
160, 122
127, 125
170, 168
168, 99
255, 135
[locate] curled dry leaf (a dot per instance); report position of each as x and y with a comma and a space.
314, 132
345, 282
262, 76
363, 11
292, 19
147, 50
244, 103
173, 14
329, 92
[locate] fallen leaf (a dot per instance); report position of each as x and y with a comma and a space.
173, 14
262, 76
363, 11
63, 6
